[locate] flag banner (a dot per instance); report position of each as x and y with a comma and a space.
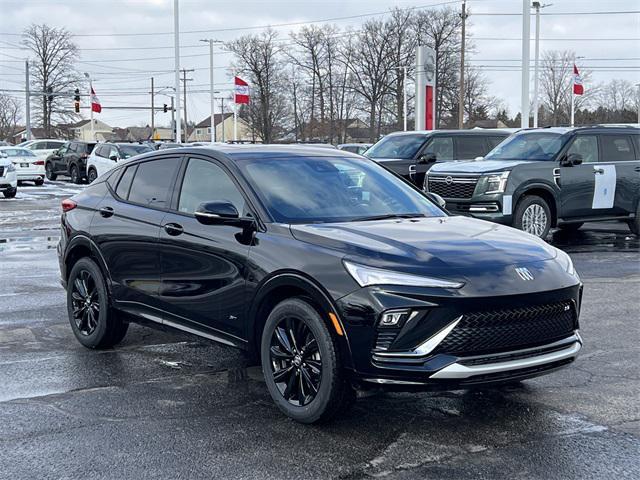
242, 91
578, 88
95, 102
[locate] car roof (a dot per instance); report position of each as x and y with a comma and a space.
474, 131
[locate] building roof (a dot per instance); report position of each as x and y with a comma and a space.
218, 118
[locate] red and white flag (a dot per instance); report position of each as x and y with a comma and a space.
578, 88
242, 91
95, 102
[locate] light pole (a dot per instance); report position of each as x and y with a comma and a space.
176, 44
526, 38
537, 6
93, 135
211, 41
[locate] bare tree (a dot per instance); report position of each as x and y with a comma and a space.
10, 116
52, 72
258, 57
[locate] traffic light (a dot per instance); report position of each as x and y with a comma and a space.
76, 100
164, 108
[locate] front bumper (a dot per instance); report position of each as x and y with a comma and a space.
494, 208
449, 344
8, 181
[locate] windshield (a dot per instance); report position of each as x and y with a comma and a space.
528, 146
132, 150
18, 152
397, 146
332, 189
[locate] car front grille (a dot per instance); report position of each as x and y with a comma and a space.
503, 330
452, 187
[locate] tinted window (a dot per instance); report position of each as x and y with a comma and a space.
127, 151
586, 146
528, 146
100, 151
397, 146
470, 147
495, 141
53, 145
38, 146
332, 189
205, 181
152, 182
636, 141
616, 147
125, 182
441, 147
18, 152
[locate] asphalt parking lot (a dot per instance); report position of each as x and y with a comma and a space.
165, 405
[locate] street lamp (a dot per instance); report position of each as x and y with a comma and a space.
537, 6
211, 41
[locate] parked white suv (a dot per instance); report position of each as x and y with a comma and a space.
28, 166
106, 155
8, 177
43, 148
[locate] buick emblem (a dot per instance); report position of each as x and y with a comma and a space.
524, 274
448, 180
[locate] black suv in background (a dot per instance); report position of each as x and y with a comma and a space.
71, 160
327, 267
548, 177
411, 154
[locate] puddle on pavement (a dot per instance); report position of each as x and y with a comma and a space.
595, 241
21, 244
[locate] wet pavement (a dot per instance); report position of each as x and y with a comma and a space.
165, 405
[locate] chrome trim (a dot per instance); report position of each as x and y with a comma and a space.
483, 208
443, 179
457, 371
386, 381
206, 215
200, 333
424, 348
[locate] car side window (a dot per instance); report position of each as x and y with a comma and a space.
494, 141
153, 181
587, 147
617, 148
205, 181
124, 185
39, 146
113, 152
442, 147
636, 141
470, 147
53, 145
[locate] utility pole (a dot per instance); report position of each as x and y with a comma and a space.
526, 38
173, 117
404, 97
176, 44
212, 92
536, 74
153, 112
461, 96
184, 98
222, 115
27, 100
638, 101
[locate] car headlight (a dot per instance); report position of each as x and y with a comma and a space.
565, 260
11, 168
366, 276
495, 183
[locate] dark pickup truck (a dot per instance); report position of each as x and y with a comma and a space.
411, 154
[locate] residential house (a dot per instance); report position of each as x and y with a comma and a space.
82, 131
224, 129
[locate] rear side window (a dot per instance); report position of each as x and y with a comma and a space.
470, 147
153, 181
587, 147
616, 148
125, 182
494, 141
52, 145
441, 147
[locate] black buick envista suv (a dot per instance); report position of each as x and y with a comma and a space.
332, 271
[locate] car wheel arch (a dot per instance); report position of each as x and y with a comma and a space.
83, 247
544, 192
281, 286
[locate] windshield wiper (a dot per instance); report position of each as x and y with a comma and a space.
388, 216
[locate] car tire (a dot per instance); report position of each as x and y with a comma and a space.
570, 227
93, 321
92, 175
634, 225
74, 173
301, 369
39, 182
533, 215
48, 171
10, 192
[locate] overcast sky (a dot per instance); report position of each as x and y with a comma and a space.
119, 62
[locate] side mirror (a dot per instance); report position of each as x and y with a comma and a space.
220, 212
477, 159
427, 158
114, 158
437, 199
571, 160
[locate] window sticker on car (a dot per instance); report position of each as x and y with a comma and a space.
506, 205
605, 187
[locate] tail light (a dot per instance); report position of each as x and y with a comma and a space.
84, 156
39, 162
68, 204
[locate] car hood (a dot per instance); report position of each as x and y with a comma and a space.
476, 166
439, 243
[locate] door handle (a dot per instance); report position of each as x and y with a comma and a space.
598, 171
637, 169
106, 212
173, 229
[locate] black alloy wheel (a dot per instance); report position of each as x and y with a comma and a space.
86, 303
296, 363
